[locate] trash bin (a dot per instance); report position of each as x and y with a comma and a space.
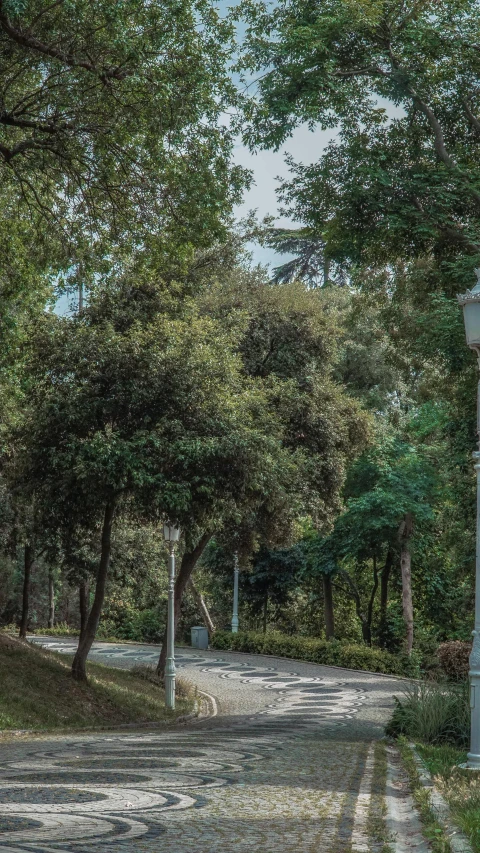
199, 637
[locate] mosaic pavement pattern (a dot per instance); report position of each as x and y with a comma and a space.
289, 776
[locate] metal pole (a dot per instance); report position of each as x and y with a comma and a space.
473, 757
170, 668
235, 594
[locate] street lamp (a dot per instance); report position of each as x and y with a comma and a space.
470, 302
235, 594
171, 534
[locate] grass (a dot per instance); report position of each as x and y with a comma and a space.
431, 828
433, 713
437, 718
37, 692
460, 788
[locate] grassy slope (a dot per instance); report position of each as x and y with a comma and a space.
37, 692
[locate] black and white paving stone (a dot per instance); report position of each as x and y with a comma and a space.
285, 765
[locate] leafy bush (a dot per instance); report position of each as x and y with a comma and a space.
433, 713
59, 630
333, 653
140, 626
454, 659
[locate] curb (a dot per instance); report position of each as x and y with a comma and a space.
402, 819
205, 709
183, 718
457, 840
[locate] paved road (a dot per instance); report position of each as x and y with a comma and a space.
290, 762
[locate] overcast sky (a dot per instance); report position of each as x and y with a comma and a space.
267, 166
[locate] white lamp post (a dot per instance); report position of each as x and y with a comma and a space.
235, 594
471, 314
171, 535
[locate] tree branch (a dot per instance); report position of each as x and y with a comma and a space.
455, 235
26, 39
471, 117
438, 135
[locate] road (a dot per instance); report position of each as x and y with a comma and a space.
289, 758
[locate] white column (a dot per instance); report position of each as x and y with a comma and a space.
170, 667
473, 758
235, 594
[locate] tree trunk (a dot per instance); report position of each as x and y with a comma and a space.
189, 561
368, 632
328, 606
83, 607
51, 599
384, 580
404, 533
28, 560
326, 271
202, 607
79, 671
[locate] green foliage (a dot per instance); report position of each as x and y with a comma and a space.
288, 341
387, 187
153, 408
145, 626
111, 117
61, 629
316, 651
433, 713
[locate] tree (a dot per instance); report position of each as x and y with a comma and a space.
287, 341
309, 264
388, 488
143, 412
273, 577
321, 560
389, 186
105, 109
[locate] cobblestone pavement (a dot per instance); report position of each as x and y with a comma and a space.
287, 764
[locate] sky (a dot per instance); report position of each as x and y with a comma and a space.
268, 166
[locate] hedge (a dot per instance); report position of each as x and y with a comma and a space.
333, 653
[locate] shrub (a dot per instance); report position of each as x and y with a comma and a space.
454, 659
140, 626
59, 630
433, 714
334, 653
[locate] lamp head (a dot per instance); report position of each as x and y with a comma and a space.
171, 533
470, 301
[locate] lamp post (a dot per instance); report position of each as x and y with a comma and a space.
171, 535
235, 594
470, 302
